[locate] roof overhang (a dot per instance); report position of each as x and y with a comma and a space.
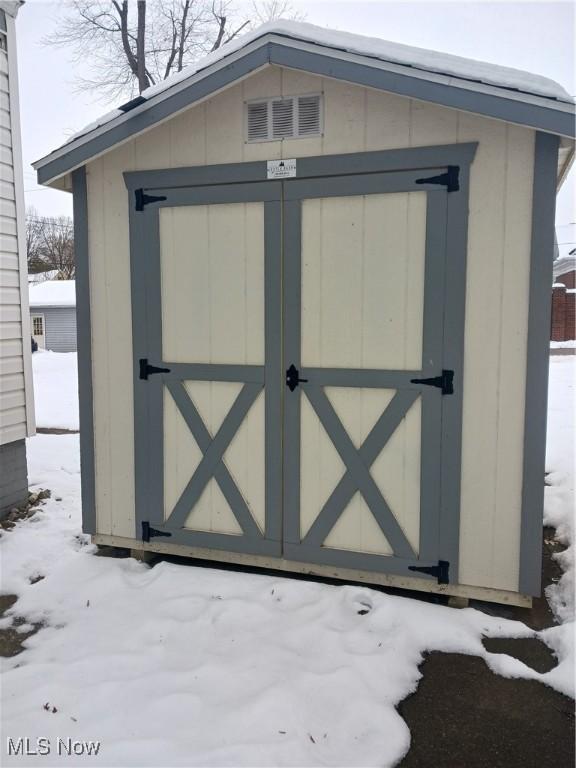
530, 110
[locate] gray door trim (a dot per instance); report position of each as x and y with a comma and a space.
149, 395
367, 454
358, 473
441, 416
537, 364
354, 163
84, 348
212, 463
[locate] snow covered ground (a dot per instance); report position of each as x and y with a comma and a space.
559, 505
179, 665
55, 389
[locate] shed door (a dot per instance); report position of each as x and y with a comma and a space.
282, 332
364, 282
208, 377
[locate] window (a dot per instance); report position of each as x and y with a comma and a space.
292, 117
38, 326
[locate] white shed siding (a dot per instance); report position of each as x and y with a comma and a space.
356, 119
16, 407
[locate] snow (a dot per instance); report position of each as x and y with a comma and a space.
53, 293
570, 344
55, 377
559, 505
181, 665
384, 50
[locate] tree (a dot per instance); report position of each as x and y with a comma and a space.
128, 47
50, 245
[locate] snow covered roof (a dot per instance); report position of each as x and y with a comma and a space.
53, 293
564, 265
441, 69
41, 277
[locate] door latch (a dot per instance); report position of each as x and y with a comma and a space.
293, 378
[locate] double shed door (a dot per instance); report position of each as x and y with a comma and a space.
283, 332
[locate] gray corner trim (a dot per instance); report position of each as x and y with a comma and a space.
511, 110
535, 409
326, 63
452, 407
84, 336
379, 161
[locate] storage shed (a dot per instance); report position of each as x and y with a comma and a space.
53, 315
314, 305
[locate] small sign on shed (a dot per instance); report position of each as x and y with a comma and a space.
281, 169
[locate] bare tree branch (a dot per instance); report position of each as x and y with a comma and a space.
122, 47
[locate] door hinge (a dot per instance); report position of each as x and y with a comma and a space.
148, 532
445, 382
293, 378
450, 179
147, 370
143, 199
440, 570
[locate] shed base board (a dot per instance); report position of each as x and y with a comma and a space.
326, 571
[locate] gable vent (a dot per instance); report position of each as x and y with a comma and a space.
308, 115
291, 117
283, 119
258, 121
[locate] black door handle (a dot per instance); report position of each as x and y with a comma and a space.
293, 378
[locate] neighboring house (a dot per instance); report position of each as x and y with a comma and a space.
564, 298
16, 392
53, 315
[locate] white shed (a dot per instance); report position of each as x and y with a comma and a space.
313, 279
16, 393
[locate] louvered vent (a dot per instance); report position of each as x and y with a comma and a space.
283, 119
258, 121
308, 115
287, 118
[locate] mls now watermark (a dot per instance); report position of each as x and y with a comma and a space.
41, 746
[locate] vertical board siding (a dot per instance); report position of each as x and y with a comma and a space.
59, 327
355, 119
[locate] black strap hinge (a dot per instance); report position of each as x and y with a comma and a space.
147, 370
143, 199
293, 378
440, 571
148, 532
445, 382
450, 179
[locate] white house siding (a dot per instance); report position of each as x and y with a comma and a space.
59, 327
16, 405
356, 119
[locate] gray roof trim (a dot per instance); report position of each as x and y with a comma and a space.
542, 114
491, 101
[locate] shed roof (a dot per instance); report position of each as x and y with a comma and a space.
53, 293
489, 89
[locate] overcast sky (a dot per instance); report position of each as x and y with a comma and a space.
536, 36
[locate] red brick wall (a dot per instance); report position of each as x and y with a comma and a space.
568, 279
563, 311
